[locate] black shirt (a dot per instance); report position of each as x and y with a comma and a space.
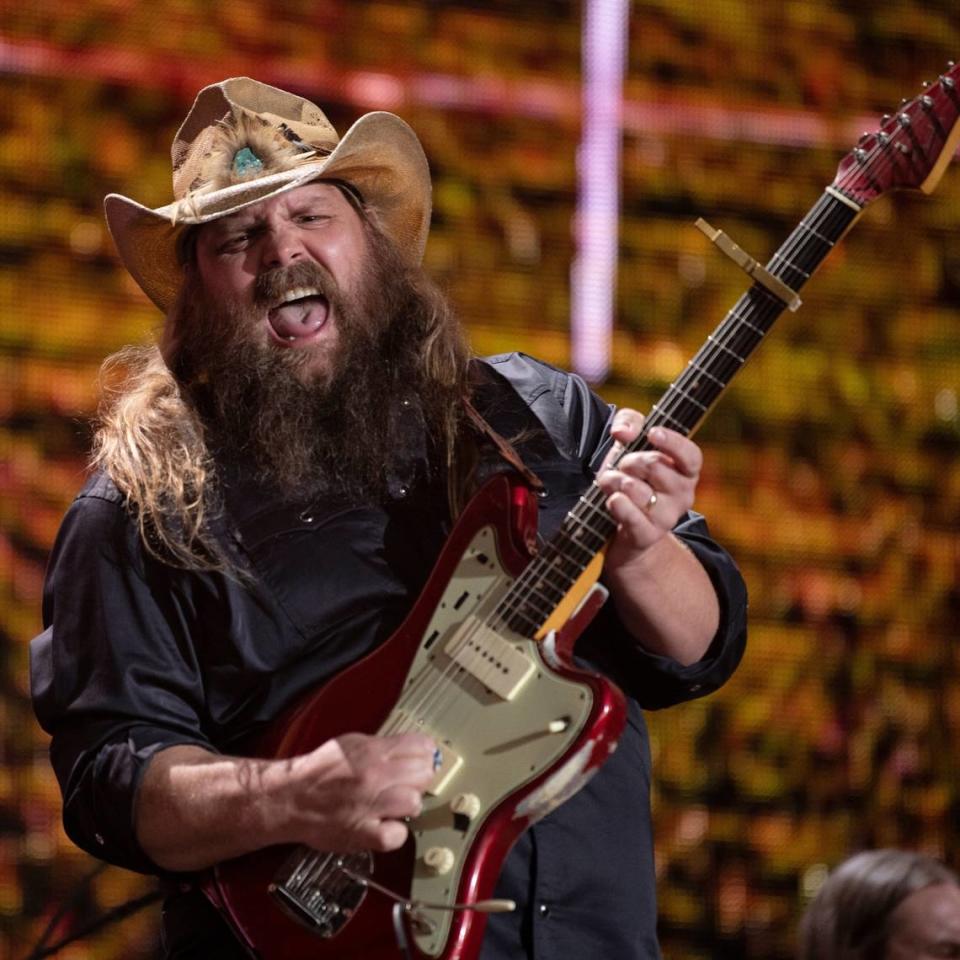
137, 656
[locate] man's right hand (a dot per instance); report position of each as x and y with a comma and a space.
353, 792
195, 808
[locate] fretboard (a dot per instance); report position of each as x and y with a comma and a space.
588, 527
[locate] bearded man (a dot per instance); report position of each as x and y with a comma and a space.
273, 483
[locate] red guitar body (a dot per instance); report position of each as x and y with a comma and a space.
490, 537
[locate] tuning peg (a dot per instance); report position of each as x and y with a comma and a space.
926, 102
904, 101
864, 136
886, 118
948, 82
950, 64
904, 119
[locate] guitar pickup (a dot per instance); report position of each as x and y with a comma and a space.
485, 655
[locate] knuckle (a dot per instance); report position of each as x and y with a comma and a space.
391, 834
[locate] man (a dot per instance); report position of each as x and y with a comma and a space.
884, 905
274, 483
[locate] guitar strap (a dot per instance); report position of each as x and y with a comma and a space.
504, 447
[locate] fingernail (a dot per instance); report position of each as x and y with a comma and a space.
656, 434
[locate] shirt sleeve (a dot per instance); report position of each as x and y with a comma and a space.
113, 677
656, 681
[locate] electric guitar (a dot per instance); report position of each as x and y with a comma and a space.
483, 661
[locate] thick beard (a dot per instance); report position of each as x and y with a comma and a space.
334, 433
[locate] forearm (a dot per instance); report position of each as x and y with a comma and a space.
195, 808
666, 600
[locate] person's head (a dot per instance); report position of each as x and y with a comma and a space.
884, 905
244, 142
299, 322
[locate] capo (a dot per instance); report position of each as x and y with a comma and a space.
752, 267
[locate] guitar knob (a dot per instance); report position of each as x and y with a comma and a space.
466, 804
440, 860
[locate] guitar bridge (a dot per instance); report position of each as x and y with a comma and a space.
317, 890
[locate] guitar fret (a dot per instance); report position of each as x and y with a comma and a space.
816, 233
791, 265
523, 603
666, 416
686, 396
769, 310
739, 359
575, 538
750, 326
566, 582
537, 604
542, 586
703, 370
526, 624
602, 528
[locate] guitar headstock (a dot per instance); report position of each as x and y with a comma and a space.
911, 149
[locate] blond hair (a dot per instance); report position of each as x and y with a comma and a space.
150, 441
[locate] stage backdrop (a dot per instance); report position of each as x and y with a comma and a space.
831, 465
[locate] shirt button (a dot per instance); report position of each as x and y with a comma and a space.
544, 909
402, 490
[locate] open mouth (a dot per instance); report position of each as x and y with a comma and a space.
299, 316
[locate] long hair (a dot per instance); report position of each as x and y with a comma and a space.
849, 917
152, 441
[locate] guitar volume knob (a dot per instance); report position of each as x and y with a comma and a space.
466, 805
439, 860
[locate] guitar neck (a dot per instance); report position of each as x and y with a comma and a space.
686, 402
588, 527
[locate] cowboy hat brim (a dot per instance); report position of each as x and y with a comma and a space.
379, 155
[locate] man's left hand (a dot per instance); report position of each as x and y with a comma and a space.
662, 592
647, 491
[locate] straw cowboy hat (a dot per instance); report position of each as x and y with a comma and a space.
243, 142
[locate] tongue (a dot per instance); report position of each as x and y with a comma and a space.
299, 318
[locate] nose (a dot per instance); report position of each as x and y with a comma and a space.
281, 247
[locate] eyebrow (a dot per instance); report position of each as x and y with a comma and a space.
243, 219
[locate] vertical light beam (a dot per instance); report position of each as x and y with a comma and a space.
593, 274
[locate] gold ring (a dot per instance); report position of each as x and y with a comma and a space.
652, 502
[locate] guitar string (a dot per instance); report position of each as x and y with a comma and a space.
528, 587
519, 595
881, 154
516, 595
